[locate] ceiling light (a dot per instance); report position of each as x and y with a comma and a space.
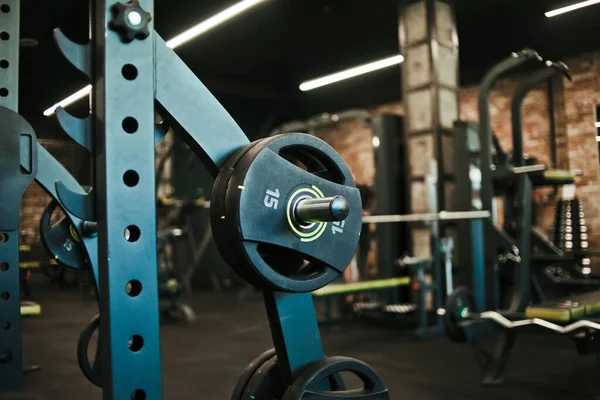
597, 138
28, 43
212, 22
572, 7
175, 42
352, 72
597, 124
376, 141
69, 100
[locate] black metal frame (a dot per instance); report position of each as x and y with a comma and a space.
470, 261
525, 86
123, 112
489, 171
517, 233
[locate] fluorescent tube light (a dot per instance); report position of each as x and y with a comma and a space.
572, 7
597, 124
212, 22
597, 138
173, 43
352, 72
69, 100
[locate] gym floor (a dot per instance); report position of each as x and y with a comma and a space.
205, 359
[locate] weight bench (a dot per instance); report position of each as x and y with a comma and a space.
30, 309
366, 286
336, 290
552, 177
567, 309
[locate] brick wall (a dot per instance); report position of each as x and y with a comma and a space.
581, 97
69, 154
353, 140
574, 118
35, 198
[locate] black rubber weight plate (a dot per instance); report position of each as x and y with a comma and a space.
232, 225
83, 344
285, 282
218, 209
239, 389
458, 299
265, 383
229, 230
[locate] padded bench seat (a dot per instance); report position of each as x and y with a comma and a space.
346, 288
566, 310
552, 177
30, 309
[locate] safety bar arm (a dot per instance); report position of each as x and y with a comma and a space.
485, 128
550, 70
192, 111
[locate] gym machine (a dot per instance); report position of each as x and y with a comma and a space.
504, 276
557, 265
405, 291
427, 277
274, 222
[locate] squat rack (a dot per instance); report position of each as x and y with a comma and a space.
130, 67
132, 71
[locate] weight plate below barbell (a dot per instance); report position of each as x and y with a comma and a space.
240, 387
91, 369
266, 382
308, 383
262, 379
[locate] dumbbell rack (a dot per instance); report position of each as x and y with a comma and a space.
570, 230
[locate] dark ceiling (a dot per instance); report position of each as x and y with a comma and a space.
254, 63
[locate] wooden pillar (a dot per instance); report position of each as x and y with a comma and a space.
429, 43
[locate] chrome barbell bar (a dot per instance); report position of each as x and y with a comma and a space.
441, 216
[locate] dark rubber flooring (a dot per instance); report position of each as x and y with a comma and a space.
204, 360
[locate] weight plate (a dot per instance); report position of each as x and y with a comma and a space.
239, 389
90, 369
217, 214
265, 383
262, 379
458, 305
264, 186
308, 383
61, 241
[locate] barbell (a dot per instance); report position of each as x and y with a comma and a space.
425, 217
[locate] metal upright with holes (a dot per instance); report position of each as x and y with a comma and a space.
132, 67
10, 179
9, 53
123, 110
